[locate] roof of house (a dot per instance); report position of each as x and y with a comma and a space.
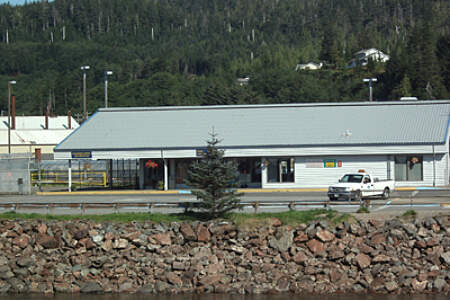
238, 126
31, 130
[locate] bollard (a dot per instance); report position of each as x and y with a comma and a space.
291, 205
116, 207
255, 206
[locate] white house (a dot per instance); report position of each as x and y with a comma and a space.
275, 146
309, 66
361, 58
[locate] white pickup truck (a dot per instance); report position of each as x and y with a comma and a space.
359, 185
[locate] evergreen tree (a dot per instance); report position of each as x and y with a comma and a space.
214, 181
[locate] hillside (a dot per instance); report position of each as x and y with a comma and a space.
190, 52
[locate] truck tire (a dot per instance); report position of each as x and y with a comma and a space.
386, 193
357, 196
332, 198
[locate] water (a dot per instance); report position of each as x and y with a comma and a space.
219, 297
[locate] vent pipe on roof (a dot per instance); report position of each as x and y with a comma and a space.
69, 119
46, 119
13, 112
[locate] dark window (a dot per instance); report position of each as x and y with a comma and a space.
409, 168
280, 169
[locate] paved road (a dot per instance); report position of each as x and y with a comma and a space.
273, 201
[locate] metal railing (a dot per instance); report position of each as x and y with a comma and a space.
81, 178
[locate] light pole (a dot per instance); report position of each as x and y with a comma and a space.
84, 68
370, 80
9, 114
106, 86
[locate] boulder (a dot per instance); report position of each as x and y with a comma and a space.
315, 246
362, 260
325, 236
162, 239
187, 232
46, 241
91, 287
283, 243
203, 234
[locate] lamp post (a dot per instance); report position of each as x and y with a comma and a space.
370, 80
9, 114
106, 86
84, 68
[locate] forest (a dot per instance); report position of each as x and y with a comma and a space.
191, 52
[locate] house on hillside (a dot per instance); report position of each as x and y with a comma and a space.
309, 66
28, 133
361, 58
243, 81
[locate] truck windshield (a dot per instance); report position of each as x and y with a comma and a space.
352, 178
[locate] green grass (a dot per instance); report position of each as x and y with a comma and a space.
363, 210
286, 218
410, 213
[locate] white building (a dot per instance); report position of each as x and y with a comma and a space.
28, 133
361, 58
309, 66
276, 146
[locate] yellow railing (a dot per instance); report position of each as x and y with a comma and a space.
87, 178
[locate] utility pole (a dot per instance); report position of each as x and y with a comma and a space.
106, 86
9, 114
84, 68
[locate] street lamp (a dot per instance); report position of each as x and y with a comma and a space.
106, 86
370, 80
84, 68
9, 114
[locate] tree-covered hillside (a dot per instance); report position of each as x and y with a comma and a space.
190, 52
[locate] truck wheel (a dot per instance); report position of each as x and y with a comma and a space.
357, 196
386, 193
332, 198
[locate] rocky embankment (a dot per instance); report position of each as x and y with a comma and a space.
362, 257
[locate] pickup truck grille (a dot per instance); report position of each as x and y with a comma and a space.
338, 189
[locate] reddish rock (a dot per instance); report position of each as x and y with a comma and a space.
275, 222
46, 241
378, 239
300, 257
214, 268
315, 246
335, 275
433, 242
301, 237
132, 235
335, 253
173, 278
120, 244
203, 234
376, 223
22, 241
381, 258
362, 260
162, 239
187, 231
210, 280
41, 228
325, 236
107, 245
420, 244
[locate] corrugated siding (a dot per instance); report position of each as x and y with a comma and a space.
261, 126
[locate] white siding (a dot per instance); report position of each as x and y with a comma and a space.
438, 173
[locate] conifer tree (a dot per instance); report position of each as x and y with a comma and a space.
213, 181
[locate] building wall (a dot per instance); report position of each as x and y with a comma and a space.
309, 171
48, 149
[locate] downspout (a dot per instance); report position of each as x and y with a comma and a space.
434, 167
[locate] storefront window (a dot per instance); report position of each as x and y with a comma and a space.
249, 172
280, 169
409, 168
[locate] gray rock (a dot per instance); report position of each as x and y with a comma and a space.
439, 284
25, 262
446, 257
284, 242
3, 261
91, 287
17, 285
4, 287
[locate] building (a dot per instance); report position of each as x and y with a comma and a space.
361, 58
275, 146
28, 133
309, 66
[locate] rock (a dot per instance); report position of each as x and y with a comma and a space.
362, 260
97, 239
3, 261
439, 284
391, 286
179, 266
81, 234
42, 228
335, 254
62, 287
161, 286
237, 249
315, 246
174, 279
300, 258
284, 242
22, 241
127, 287
381, 258
275, 222
120, 244
4, 287
17, 285
325, 236
301, 237
187, 232
210, 280
419, 286
445, 257
377, 240
162, 239
25, 262
46, 241
107, 245
91, 287
203, 234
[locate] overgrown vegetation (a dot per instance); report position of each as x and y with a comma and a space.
410, 213
286, 218
363, 210
191, 52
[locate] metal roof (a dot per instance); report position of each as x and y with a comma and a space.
377, 123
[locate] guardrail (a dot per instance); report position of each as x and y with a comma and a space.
149, 206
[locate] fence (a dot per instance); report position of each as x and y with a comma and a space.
79, 178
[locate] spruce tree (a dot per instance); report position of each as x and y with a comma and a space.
213, 180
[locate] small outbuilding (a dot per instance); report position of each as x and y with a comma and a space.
275, 146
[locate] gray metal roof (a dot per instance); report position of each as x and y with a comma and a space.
378, 123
